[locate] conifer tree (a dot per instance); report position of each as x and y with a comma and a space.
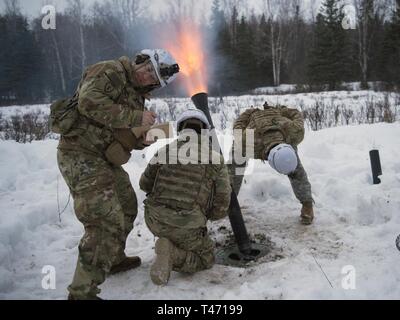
331, 53
390, 65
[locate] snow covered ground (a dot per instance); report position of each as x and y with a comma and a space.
290, 88
356, 224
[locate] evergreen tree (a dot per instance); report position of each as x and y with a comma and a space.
331, 54
217, 27
244, 56
38, 65
300, 39
262, 53
20, 60
390, 66
217, 16
225, 63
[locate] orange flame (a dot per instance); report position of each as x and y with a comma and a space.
188, 52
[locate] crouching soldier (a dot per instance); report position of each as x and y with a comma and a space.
277, 133
96, 128
182, 194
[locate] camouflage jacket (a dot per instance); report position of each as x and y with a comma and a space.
189, 192
107, 101
271, 126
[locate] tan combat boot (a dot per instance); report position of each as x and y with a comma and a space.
127, 264
161, 269
307, 213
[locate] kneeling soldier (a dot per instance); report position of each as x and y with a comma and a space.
182, 195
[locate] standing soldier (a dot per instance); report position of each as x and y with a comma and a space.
182, 195
277, 133
96, 139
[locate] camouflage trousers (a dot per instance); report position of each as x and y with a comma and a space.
298, 179
195, 247
105, 203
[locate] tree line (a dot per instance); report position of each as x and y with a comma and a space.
283, 46
286, 43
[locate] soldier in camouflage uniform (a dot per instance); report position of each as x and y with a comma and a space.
110, 101
277, 131
181, 196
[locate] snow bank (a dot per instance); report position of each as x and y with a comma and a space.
283, 88
288, 88
356, 225
225, 111
21, 110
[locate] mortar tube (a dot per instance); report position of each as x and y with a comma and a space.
200, 101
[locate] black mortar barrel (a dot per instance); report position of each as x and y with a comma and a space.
200, 100
375, 166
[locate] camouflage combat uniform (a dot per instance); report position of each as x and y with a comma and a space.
180, 200
273, 126
104, 200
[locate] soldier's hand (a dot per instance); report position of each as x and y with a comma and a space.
147, 142
149, 118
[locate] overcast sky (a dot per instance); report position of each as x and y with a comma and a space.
33, 7
155, 7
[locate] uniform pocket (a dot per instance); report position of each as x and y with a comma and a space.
116, 154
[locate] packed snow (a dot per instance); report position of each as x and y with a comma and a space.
356, 222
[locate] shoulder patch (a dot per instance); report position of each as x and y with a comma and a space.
108, 88
115, 78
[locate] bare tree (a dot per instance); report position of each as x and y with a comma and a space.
76, 7
104, 13
297, 39
128, 12
232, 10
347, 114
229, 5
364, 8
12, 7
278, 15
177, 9
368, 13
313, 5
60, 66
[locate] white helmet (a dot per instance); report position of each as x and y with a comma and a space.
164, 64
193, 114
283, 158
